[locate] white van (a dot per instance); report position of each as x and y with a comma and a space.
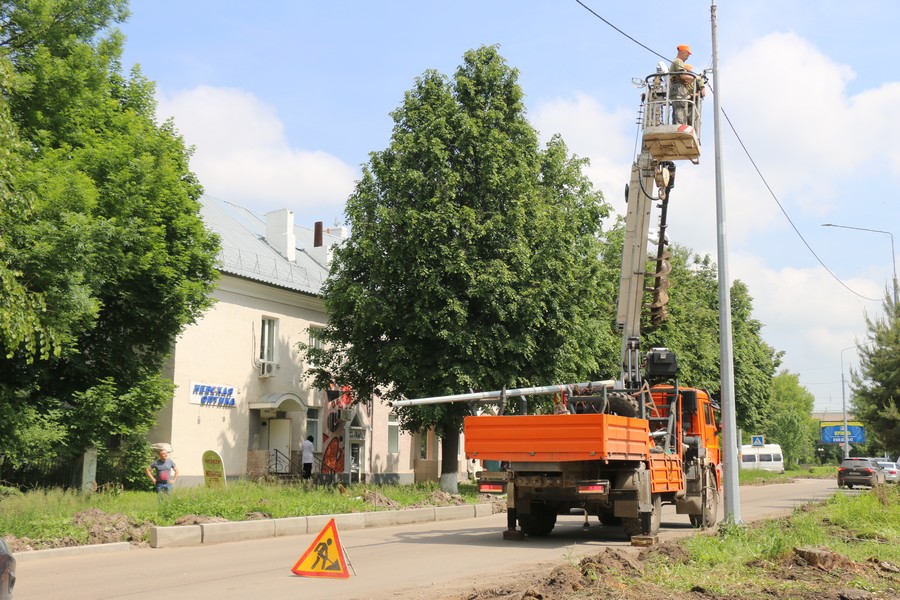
765, 458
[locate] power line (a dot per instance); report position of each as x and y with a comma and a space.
749, 157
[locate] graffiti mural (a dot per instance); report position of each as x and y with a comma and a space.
337, 407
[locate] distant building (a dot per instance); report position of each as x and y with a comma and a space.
239, 374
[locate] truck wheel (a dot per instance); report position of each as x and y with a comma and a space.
608, 519
539, 522
645, 523
710, 513
622, 404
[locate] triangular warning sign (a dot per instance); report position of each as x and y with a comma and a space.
325, 557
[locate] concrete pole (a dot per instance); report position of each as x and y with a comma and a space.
726, 351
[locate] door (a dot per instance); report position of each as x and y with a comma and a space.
280, 440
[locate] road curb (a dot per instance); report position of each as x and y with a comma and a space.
233, 531
71, 551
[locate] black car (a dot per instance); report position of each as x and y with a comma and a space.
860, 471
7, 571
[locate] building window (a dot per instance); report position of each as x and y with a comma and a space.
267, 346
393, 434
423, 445
312, 426
315, 339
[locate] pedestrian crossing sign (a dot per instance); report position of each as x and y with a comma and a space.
324, 557
757, 441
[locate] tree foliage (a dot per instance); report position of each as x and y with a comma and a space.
789, 422
110, 247
692, 332
472, 260
876, 385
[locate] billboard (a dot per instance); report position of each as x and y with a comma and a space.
832, 432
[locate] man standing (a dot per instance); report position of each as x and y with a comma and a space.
307, 447
166, 473
680, 85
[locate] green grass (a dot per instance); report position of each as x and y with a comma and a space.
742, 560
757, 477
44, 515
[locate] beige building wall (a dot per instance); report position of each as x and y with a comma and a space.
222, 403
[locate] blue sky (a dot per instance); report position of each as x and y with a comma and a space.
284, 100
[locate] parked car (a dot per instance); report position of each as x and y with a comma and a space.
860, 471
891, 471
7, 571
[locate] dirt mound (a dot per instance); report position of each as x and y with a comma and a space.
498, 503
379, 500
439, 498
198, 520
102, 528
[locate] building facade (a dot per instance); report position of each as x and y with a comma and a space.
241, 389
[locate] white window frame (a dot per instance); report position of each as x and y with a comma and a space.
314, 427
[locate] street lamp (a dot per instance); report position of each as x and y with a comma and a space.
893, 257
844, 405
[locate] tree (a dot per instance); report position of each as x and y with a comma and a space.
113, 244
692, 332
875, 386
472, 262
790, 423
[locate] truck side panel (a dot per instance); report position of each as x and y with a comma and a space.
557, 438
666, 474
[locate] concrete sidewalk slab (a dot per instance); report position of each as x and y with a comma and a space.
446, 513
234, 531
386, 518
291, 526
176, 535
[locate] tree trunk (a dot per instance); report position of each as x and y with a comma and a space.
450, 463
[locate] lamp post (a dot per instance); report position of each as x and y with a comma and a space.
893, 257
844, 405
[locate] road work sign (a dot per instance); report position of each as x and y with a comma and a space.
325, 556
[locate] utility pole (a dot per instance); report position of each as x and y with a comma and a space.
726, 350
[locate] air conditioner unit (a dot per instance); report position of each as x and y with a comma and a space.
266, 369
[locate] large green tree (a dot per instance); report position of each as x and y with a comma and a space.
876, 384
472, 262
112, 242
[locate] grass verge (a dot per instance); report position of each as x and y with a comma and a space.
46, 516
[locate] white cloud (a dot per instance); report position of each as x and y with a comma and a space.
242, 155
593, 131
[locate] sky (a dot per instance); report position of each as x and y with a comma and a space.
283, 101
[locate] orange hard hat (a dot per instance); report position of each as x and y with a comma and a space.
684, 48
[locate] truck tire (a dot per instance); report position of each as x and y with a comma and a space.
620, 403
710, 502
539, 522
608, 519
645, 523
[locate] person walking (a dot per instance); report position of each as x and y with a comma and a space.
308, 447
163, 472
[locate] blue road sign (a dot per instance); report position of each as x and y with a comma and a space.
757, 441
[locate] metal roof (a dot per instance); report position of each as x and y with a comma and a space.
245, 253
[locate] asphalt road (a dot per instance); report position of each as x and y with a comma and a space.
426, 560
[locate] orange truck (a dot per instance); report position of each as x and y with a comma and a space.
620, 468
